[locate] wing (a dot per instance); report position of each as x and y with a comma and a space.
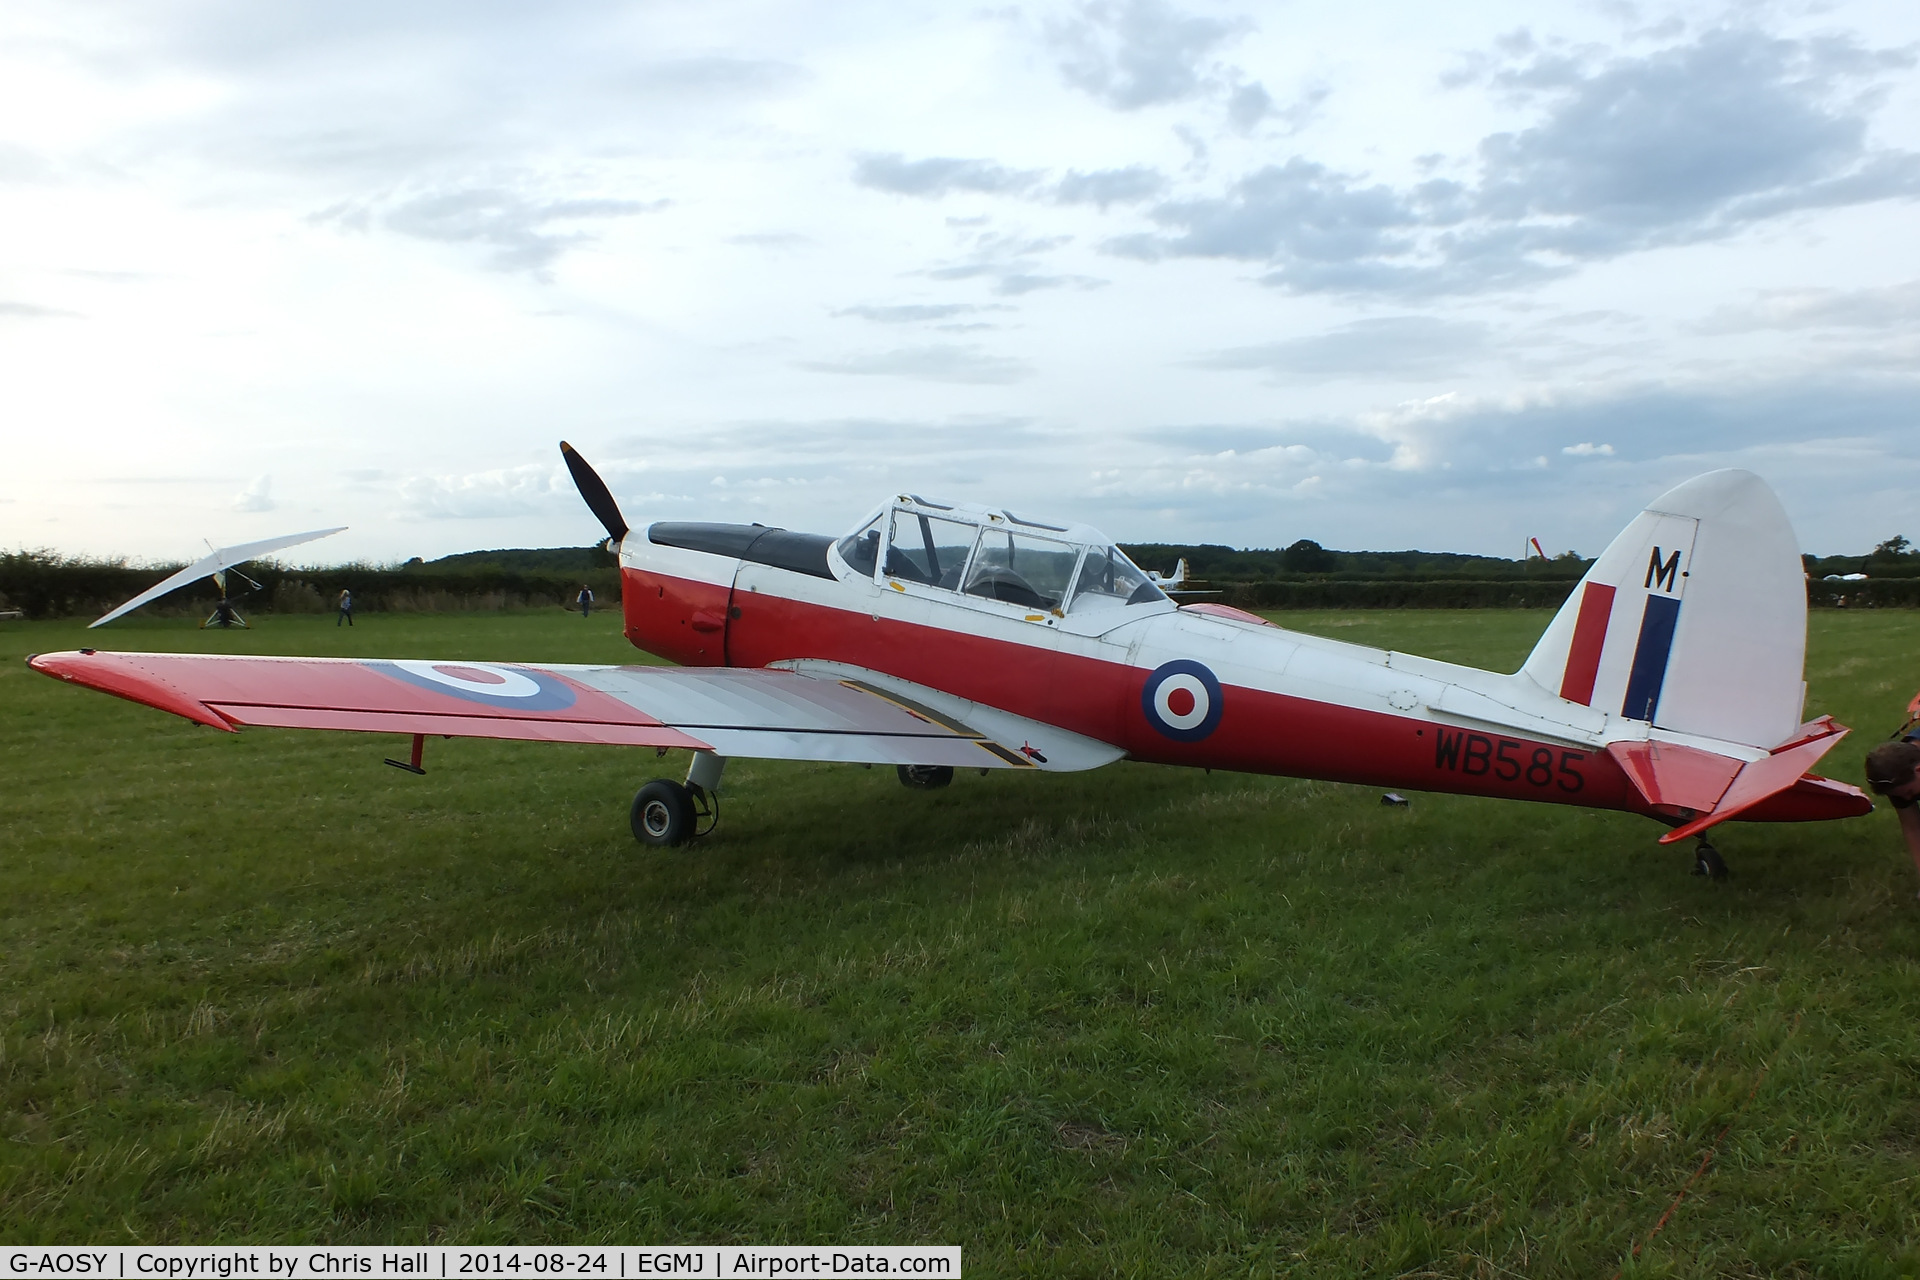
224, 558
822, 713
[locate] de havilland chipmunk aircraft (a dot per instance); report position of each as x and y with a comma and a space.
934, 637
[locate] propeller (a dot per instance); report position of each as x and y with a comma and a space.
594, 490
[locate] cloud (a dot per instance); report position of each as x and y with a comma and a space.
914, 313
331, 100
1402, 347
1689, 140
1324, 230
1138, 53
1471, 441
1248, 105
678, 79
940, 175
1013, 264
779, 444
29, 311
18, 164
938, 363
1686, 144
1110, 186
523, 233
1460, 472
1330, 439
517, 229
1684, 426
510, 491
255, 497
1890, 306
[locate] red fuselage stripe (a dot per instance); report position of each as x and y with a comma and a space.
1259, 731
1589, 638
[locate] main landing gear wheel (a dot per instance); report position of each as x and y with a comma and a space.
925, 777
1708, 862
663, 814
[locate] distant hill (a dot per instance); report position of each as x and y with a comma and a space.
518, 560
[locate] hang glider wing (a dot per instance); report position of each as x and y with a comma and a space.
224, 558
822, 713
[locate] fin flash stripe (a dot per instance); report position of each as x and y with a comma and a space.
1589, 638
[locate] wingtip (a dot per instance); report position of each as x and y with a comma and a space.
122, 676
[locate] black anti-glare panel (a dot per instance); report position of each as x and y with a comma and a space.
781, 548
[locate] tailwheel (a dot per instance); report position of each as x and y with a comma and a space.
663, 814
925, 777
1708, 862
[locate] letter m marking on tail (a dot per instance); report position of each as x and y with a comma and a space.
1666, 576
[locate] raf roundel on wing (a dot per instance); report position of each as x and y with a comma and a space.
1182, 700
486, 683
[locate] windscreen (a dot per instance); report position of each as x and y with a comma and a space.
1021, 569
929, 549
861, 549
1109, 580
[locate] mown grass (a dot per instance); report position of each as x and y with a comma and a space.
1135, 1022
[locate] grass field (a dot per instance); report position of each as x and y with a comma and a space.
1134, 1022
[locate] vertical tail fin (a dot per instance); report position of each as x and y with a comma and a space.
1694, 619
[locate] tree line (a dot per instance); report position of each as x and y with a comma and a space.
1305, 575
46, 584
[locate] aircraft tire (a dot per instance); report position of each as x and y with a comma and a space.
925, 777
1708, 862
662, 814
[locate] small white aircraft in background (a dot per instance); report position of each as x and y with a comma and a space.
935, 636
215, 566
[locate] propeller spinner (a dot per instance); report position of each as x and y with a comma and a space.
594, 490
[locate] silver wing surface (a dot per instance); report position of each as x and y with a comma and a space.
804, 711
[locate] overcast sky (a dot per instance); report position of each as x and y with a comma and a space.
1380, 275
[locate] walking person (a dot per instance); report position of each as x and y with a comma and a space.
346, 608
584, 600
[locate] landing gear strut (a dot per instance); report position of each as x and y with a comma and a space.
925, 777
1707, 861
667, 813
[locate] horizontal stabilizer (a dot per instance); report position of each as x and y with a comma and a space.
1759, 781
1667, 774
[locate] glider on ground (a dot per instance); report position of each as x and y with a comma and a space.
214, 566
934, 637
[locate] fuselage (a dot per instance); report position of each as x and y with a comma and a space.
1201, 686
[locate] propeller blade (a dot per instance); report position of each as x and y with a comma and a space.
594, 490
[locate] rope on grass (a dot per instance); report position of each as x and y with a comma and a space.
1712, 1151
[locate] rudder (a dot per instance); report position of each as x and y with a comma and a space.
1694, 619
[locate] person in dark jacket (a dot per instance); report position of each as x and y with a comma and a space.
1893, 770
584, 600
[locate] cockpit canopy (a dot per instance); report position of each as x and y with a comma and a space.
996, 555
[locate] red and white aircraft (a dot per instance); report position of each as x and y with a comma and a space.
935, 637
